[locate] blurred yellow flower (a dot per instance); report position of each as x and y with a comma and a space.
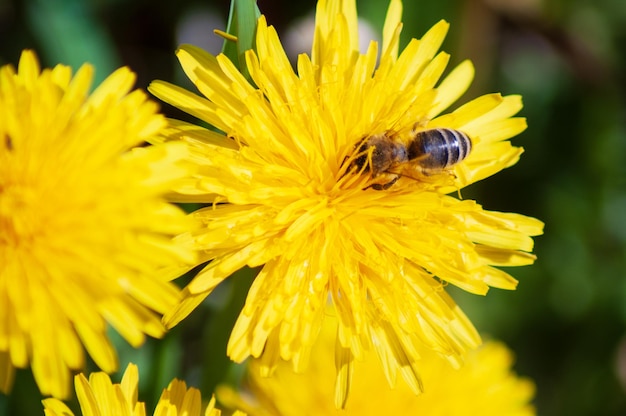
83, 221
485, 385
99, 397
282, 196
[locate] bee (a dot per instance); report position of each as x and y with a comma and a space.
428, 151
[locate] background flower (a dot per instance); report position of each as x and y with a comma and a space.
98, 396
485, 385
83, 222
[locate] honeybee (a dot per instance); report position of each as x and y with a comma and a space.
428, 151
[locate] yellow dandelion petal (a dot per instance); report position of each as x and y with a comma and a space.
7, 371
294, 185
98, 396
130, 382
84, 224
484, 385
178, 400
329, 16
391, 30
55, 407
194, 105
452, 87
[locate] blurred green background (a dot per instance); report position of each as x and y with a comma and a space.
566, 321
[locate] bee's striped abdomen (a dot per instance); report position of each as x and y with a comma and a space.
438, 149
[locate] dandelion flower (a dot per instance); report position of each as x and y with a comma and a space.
83, 220
485, 385
98, 396
282, 196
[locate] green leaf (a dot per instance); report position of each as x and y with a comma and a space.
70, 31
242, 22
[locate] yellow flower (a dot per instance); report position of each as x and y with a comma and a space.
83, 220
283, 198
485, 386
99, 397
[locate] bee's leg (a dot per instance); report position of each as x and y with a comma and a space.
384, 186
